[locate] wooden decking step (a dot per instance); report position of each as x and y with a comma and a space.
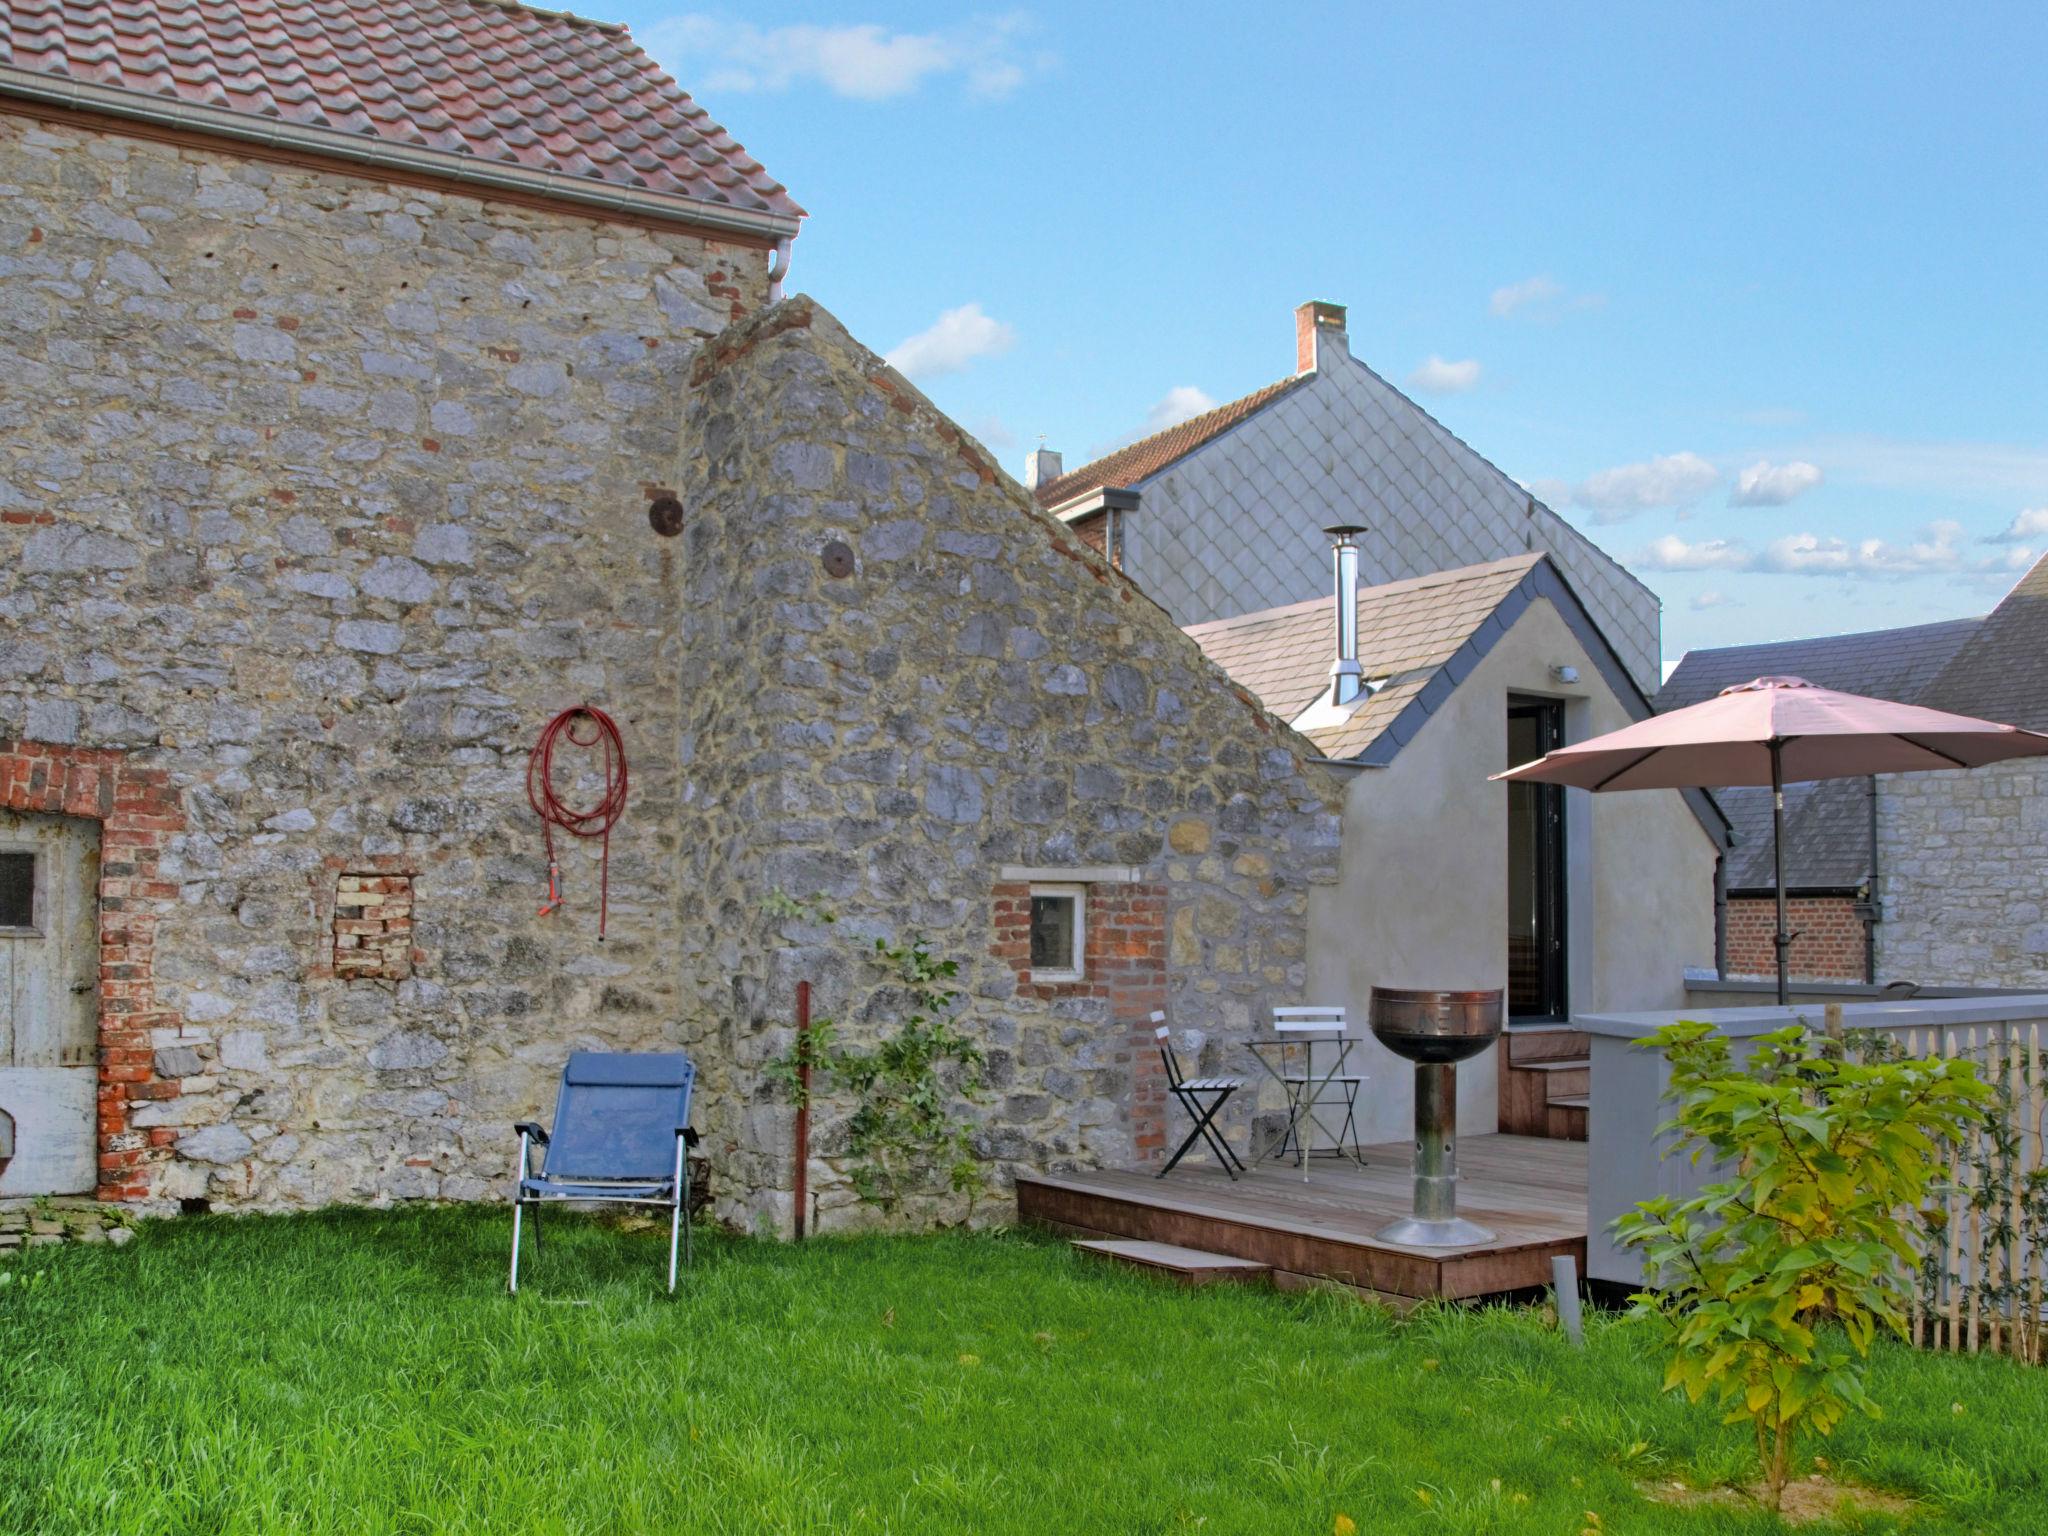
1573, 1101
1556, 1064
1190, 1266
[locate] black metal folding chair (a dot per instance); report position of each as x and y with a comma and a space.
1202, 1098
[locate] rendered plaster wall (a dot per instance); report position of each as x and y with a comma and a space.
1236, 526
1961, 873
317, 498
978, 692
1423, 898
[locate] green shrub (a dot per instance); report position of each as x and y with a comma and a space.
1832, 1156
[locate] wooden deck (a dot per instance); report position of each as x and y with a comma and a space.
1529, 1191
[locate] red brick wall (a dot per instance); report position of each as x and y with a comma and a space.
1124, 961
137, 810
1828, 946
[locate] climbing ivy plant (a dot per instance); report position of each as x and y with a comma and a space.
906, 1139
1771, 1284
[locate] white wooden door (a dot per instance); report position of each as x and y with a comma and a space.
49, 1003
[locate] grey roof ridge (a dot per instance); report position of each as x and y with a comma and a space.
162, 112
1502, 475
1385, 588
1852, 634
1543, 580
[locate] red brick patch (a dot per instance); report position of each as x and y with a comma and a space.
1124, 961
138, 810
1828, 944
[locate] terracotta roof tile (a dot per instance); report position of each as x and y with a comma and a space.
1149, 455
472, 79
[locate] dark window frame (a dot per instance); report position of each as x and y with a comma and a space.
1552, 914
33, 891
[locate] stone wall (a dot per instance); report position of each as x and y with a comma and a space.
1959, 859
317, 498
905, 685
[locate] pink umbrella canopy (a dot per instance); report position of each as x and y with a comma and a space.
1773, 730
1816, 733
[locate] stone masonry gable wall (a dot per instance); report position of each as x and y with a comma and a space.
979, 690
317, 498
1960, 861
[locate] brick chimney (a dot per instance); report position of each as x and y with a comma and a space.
1041, 467
1318, 334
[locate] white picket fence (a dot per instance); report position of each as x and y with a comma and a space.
1984, 1270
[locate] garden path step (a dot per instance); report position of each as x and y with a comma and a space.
1189, 1266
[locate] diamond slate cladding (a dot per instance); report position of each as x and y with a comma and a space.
466, 78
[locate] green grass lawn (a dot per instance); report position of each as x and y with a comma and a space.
365, 1372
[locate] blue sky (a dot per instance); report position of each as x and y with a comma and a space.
1754, 295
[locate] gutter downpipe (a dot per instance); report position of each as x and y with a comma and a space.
1872, 910
781, 253
1721, 915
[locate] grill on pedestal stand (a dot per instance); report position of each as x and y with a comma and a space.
1436, 1031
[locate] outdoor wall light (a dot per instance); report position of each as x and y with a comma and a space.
1565, 673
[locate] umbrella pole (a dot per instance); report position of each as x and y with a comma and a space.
1783, 940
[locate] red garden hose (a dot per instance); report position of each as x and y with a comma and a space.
600, 818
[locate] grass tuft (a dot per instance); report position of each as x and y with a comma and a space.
364, 1372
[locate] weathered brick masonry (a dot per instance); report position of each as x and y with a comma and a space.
139, 814
318, 496
1828, 944
906, 679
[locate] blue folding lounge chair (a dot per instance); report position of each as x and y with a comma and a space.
622, 1130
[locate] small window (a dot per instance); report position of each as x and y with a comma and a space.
1058, 933
17, 890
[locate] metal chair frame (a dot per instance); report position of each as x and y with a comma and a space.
1316, 1026
584, 1072
1202, 1098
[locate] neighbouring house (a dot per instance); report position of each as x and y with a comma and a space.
381, 380
1570, 902
1222, 515
1935, 879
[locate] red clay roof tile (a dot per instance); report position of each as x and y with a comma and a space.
475, 79
1149, 455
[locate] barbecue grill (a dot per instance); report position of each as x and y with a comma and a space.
1436, 1031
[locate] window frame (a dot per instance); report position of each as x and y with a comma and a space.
1077, 893
37, 897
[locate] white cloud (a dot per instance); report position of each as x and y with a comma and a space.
1530, 290
1668, 480
1671, 553
958, 337
1542, 296
1438, 377
1765, 484
995, 432
861, 61
2018, 471
1937, 551
2030, 524
1705, 600
1181, 403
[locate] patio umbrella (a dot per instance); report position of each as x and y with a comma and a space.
1774, 730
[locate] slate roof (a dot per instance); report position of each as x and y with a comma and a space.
1896, 664
2001, 671
1149, 455
1827, 824
1407, 632
465, 82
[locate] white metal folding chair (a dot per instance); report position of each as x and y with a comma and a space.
1309, 1075
1203, 1098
